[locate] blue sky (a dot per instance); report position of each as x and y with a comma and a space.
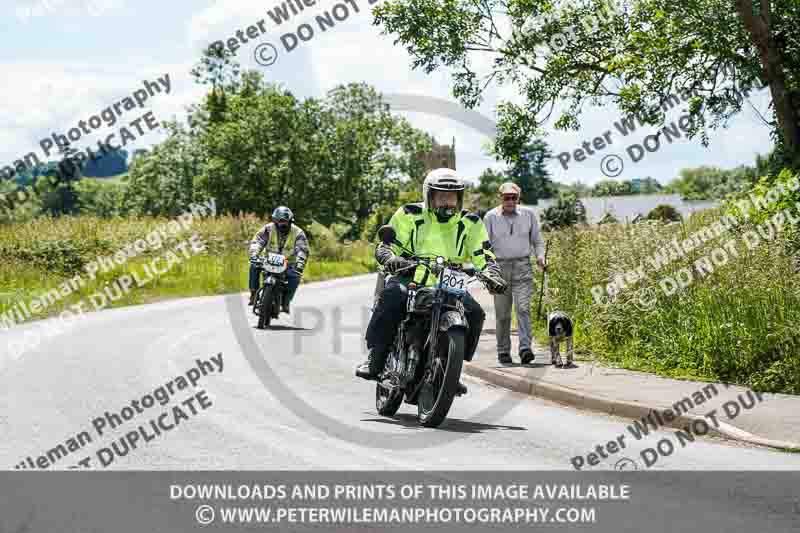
65, 60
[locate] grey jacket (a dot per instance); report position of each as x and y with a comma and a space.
299, 254
516, 235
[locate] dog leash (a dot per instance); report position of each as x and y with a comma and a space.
544, 280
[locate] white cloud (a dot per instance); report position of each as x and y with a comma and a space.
25, 9
76, 91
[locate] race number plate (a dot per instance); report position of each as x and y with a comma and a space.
453, 279
275, 263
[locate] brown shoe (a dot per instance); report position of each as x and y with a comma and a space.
252, 298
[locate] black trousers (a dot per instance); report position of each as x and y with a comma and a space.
391, 309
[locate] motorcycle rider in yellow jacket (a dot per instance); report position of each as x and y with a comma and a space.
437, 227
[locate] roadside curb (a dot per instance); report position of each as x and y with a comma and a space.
632, 410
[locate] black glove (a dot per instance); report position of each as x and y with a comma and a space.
494, 282
397, 263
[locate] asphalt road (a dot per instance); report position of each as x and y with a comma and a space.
287, 399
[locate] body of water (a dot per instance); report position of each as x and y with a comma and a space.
627, 207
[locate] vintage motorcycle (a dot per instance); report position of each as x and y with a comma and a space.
269, 297
424, 364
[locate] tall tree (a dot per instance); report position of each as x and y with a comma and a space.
567, 211
772, 26
370, 151
529, 171
488, 186
162, 181
217, 69
332, 160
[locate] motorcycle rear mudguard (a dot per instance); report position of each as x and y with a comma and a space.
452, 319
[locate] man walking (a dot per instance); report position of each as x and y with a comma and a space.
515, 237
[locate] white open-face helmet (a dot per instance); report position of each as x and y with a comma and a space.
443, 179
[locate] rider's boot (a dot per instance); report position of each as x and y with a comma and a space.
288, 295
252, 298
371, 368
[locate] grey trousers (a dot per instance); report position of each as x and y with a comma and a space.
518, 273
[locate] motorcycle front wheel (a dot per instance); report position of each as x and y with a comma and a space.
439, 390
387, 402
265, 309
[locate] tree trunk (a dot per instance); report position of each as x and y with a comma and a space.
772, 64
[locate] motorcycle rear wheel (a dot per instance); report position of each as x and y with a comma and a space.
437, 395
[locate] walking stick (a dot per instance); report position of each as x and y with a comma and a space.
544, 281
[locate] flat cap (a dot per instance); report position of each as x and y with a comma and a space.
510, 188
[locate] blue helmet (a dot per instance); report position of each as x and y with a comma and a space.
282, 213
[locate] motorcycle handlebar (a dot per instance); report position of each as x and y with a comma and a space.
472, 272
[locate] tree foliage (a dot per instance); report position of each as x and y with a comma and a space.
487, 190
102, 198
665, 213
708, 182
608, 218
162, 181
567, 211
529, 171
626, 187
634, 54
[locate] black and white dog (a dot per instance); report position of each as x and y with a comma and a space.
559, 327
